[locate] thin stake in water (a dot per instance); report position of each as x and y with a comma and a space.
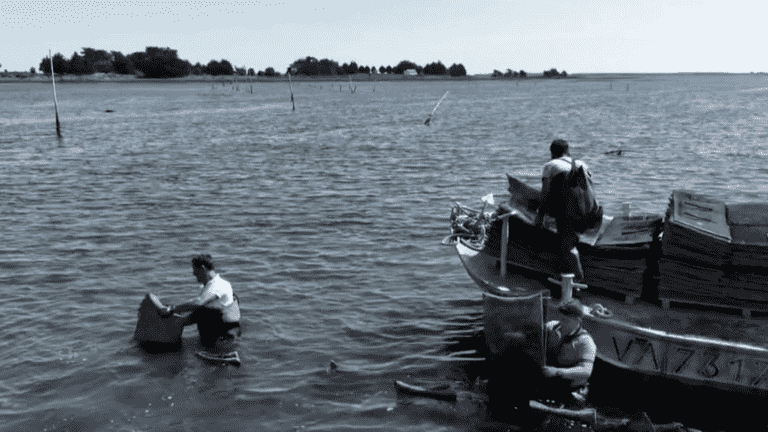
55, 102
433, 111
291, 86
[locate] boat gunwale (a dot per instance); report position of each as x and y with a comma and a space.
678, 339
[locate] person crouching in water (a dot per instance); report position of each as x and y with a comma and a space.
570, 357
216, 311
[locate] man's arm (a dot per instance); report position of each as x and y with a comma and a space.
577, 375
195, 303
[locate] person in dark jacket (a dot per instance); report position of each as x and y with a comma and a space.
553, 179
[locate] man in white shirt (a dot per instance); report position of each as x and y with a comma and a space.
216, 311
552, 203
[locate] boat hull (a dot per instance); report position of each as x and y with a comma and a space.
723, 353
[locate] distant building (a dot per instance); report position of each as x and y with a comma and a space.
410, 72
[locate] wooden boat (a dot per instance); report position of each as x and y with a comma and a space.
666, 300
597, 421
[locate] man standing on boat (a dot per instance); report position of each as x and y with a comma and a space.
553, 203
571, 355
216, 311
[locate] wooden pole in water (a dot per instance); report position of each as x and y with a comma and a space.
55, 102
291, 86
433, 111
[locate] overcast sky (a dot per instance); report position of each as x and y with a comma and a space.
534, 35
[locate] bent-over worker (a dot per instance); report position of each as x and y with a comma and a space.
570, 356
216, 310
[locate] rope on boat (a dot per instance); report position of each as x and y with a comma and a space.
468, 224
601, 311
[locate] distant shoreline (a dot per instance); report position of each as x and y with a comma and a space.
110, 77
20, 77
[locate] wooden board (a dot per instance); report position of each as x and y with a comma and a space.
700, 212
442, 393
686, 243
629, 230
587, 415
232, 358
752, 214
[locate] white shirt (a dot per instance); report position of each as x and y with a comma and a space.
219, 288
561, 164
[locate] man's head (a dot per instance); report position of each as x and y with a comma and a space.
572, 312
201, 266
558, 148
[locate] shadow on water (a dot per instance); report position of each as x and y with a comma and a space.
165, 360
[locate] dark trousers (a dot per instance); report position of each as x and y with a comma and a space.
568, 239
215, 333
555, 206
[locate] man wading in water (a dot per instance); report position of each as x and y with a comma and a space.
216, 311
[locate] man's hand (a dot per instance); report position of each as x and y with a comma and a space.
550, 372
166, 311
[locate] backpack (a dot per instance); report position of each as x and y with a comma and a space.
581, 207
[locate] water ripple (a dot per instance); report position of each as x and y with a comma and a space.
327, 221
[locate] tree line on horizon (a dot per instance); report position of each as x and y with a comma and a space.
552, 73
156, 62
311, 66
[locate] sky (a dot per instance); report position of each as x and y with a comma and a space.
579, 36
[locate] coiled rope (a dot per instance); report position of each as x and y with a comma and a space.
467, 224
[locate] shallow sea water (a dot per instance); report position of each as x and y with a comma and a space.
327, 221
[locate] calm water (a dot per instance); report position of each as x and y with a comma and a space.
327, 221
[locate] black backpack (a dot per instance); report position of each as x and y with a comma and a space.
581, 207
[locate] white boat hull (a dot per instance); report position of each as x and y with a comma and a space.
694, 348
